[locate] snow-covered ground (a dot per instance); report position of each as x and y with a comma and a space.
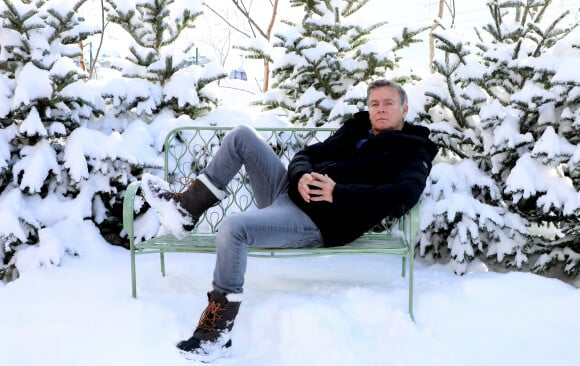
343, 310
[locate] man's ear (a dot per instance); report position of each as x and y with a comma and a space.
405, 110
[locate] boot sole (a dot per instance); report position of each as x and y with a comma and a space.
207, 358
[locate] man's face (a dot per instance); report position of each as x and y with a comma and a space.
385, 109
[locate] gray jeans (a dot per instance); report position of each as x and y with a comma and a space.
277, 223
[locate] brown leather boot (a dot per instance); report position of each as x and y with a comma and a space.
211, 339
180, 211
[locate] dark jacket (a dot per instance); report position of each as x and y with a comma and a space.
384, 176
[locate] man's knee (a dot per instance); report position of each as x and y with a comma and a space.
245, 133
232, 231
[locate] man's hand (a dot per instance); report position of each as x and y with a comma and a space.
316, 187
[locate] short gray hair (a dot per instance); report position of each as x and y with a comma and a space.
390, 84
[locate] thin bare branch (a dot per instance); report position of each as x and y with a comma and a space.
451, 7
242, 8
103, 26
226, 21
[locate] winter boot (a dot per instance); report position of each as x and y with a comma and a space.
180, 211
211, 338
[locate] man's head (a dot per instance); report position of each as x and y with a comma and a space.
387, 103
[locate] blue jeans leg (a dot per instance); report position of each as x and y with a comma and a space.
280, 225
244, 146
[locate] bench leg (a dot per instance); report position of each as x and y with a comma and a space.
409, 230
411, 271
162, 259
403, 266
133, 273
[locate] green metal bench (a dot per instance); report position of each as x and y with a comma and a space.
189, 149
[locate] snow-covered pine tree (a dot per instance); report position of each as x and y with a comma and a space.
327, 59
41, 103
158, 72
556, 154
505, 111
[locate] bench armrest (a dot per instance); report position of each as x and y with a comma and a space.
129, 209
414, 222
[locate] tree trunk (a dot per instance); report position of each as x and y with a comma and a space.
266, 85
253, 24
82, 64
432, 39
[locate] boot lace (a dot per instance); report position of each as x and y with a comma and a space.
210, 316
183, 183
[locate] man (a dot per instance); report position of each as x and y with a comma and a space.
374, 166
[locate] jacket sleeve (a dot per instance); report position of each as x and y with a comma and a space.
299, 165
333, 148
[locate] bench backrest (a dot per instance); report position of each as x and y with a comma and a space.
189, 149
